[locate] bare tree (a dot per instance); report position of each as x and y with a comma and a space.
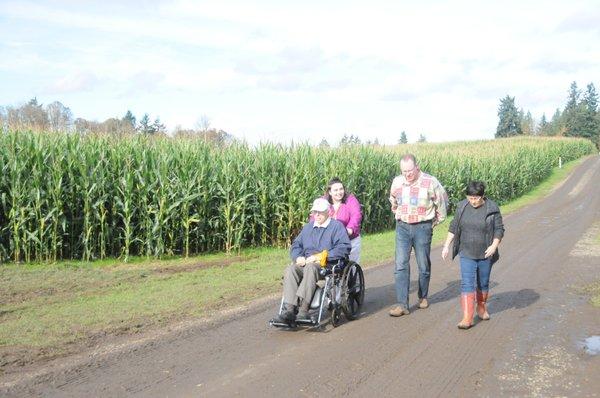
180, 132
350, 140
34, 116
83, 126
3, 118
112, 126
219, 137
324, 144
59, 116
203, 123
28, 116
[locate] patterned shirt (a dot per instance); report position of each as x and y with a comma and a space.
423, 200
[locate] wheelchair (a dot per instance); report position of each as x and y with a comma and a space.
343, 291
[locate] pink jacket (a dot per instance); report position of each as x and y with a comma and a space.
349, 214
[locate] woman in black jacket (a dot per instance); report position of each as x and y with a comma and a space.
476, 232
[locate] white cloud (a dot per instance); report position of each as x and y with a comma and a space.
302, 69
76, 82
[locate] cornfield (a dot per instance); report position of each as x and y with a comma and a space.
66, 196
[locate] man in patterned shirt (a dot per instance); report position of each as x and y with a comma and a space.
419, 203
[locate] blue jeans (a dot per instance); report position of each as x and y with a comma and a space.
409, 236
474, 273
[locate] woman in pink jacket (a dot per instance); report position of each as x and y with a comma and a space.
346, 209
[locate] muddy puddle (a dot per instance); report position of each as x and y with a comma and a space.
591, 345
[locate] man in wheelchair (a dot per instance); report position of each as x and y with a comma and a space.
301, 276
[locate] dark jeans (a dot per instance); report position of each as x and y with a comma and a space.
474, 273
409, 236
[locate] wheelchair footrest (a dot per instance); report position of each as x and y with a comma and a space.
309, 321
278, 324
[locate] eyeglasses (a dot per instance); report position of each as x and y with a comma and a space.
405, 172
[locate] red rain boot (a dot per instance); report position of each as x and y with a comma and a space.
482, 298
467, 303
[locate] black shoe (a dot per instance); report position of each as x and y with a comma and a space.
303, 315
285, 317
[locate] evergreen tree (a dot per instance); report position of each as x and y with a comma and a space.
556, 124
574, 94
157, 127
422, 138
590, 121
573, 114
590, 98
527, 123
509, 123
350, 140
521, 115
543, 126
130, 119
403, 139
345, 140
144, 126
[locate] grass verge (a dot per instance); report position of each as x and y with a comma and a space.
593, 289
48, 310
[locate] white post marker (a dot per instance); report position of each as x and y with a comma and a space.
559, 162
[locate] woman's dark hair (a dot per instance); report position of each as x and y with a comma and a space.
475, 188
335, 180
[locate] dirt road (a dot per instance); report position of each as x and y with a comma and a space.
530, 347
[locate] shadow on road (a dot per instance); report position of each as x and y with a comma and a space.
451, 291
377, 298
380, 297
509, 300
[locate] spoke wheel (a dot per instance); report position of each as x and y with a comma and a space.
335, 316
353, 290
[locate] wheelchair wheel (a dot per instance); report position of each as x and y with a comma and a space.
353, 290
335, 316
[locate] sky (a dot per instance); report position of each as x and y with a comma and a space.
290, 71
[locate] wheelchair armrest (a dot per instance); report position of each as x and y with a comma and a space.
337, 265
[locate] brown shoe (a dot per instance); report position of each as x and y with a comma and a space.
399, 310
423, 303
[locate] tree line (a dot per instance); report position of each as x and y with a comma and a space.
55, 117
579, 117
